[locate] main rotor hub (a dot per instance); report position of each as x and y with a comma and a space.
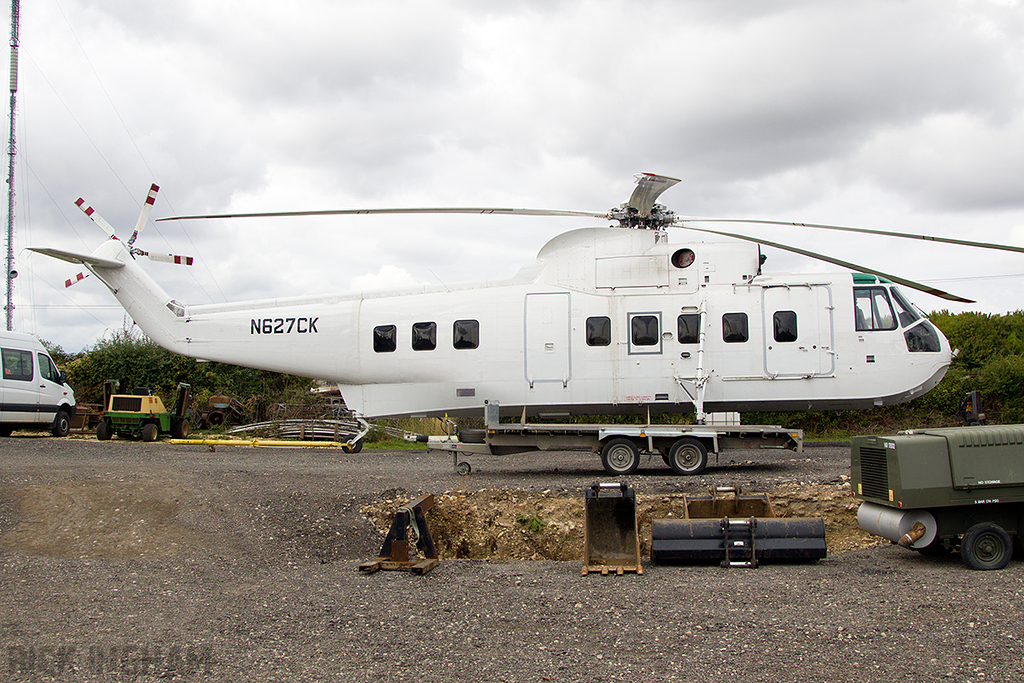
629, 217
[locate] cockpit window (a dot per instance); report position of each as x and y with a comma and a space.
873, 309
922, 339
907, 314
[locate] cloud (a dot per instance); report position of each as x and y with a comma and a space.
899, 116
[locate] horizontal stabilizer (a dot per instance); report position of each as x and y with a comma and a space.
72, 257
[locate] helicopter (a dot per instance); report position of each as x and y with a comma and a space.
610, 319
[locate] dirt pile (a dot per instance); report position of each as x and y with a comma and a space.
502, 524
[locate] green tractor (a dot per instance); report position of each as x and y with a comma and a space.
141, 414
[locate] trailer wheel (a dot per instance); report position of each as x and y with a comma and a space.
986, 546
149, 432
688, 456
620, 456
104, 430
463, 468
354, 448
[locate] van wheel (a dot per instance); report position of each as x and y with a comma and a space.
688, 456
620, 456
104, 430
149, 432
986, 546
61, 424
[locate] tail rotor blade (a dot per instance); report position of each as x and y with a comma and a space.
96, 218
75, 280
144, 214
168, 258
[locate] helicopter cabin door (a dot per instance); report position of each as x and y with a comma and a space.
799, 333
547, 331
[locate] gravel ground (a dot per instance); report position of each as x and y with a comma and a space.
132, 561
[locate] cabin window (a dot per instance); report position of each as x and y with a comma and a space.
599, 331
385, 338
922, 339
907, 314
784, 324
873, 309
466, 334
688, 328
644, 329
734, 328
424, 336
17, 365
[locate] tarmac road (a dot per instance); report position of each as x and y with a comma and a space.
133, 561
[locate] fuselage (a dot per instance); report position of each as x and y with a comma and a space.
606, 320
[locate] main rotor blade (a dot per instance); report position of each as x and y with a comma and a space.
839, 262
682, 222
439, 210
649, 187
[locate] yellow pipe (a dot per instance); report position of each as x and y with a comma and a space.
256, 443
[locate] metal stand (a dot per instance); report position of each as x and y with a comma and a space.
394, 555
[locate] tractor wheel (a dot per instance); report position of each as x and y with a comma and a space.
149, 432
180, 429
104, 430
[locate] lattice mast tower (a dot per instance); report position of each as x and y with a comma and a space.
12, 151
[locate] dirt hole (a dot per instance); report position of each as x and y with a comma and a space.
502, 524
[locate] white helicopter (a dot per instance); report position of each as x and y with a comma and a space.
605, 320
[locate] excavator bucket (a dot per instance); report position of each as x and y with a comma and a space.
611, 540
737, 531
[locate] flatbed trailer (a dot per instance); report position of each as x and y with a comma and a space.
684, 448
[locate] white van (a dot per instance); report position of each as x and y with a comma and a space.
33, 393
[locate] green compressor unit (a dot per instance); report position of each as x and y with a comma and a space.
943, 490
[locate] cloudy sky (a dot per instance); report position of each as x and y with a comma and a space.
905, 116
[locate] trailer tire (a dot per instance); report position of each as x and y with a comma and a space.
620, 456
986, 546
149, 432
688, 456
104, 430
473, 435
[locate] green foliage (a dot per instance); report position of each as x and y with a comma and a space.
1003, 380
532, 522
